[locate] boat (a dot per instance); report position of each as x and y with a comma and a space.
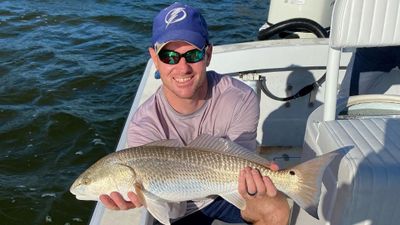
360, 187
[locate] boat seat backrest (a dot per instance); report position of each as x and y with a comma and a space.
358, 23
365, 23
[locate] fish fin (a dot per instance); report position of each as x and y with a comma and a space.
210, 143
158, 208
166, 143
235, 199
309, 180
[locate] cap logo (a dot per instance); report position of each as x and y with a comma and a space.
175, 15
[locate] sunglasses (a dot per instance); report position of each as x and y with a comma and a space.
171, 57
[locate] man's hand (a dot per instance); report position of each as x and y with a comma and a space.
264, 204
115, 201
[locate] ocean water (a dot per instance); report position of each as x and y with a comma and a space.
69, 71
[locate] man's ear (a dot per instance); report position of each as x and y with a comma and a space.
209, 54
154, 56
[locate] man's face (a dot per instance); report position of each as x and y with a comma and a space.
183, 80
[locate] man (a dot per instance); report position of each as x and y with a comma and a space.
192, 101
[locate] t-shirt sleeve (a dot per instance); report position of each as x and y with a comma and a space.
141, 132
144, 126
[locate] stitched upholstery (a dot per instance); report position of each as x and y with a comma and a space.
363, 23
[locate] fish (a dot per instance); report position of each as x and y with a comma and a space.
164, 173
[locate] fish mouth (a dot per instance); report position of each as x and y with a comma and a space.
81, 193
86, 198
74, 189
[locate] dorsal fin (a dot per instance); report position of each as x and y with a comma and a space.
214, 144
166, 143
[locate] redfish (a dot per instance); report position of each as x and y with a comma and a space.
164, 173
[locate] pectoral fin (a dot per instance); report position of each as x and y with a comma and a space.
235, 199
159, 208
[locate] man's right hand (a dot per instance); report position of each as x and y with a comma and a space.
115, 201
266, 206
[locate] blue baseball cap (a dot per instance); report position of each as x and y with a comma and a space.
179, 22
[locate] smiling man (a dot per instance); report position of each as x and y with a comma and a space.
183, 76
192, 101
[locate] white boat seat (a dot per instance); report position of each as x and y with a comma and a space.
361, 188
355, 24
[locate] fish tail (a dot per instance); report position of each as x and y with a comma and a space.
306, 188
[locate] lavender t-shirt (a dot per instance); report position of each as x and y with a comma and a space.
231, 111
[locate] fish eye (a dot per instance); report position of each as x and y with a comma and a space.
292, 172
85, 181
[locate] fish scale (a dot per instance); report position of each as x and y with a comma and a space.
167, 164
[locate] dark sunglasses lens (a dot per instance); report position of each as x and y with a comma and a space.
169, 57
194, 56
172, 57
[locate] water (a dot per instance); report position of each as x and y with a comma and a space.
69, 71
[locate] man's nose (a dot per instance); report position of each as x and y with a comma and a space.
183, 65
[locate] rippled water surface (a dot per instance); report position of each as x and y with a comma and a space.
69, 71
